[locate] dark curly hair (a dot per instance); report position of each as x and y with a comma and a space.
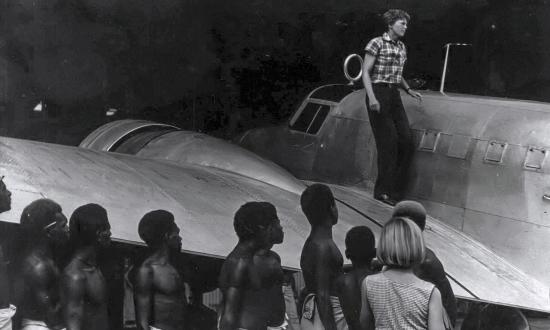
38, 215
86, 221
251, 217
360, 244
154, 225
316, 202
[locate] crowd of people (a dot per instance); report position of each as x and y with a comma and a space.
399, 285
59, 283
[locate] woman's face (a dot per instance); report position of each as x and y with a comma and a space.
399, 27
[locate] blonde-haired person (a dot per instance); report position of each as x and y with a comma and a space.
396, 298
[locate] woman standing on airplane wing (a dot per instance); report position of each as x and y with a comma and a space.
383, 69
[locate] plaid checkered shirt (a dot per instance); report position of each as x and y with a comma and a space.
390, 57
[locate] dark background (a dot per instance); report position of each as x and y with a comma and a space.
222, 67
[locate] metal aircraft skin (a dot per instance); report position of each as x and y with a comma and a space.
480, 163
132, 167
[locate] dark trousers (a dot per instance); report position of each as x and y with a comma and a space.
394, 142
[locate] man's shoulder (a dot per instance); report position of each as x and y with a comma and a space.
432, 259
235, 271
347, 279
37, 270
236, 263
34, 263
146, 268
269, 255
73, 272
431, 268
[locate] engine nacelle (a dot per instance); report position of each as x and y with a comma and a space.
165, 142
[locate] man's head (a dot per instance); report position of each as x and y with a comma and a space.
5, 196
401, 244
360, 244
157, 228
44, 218
318, 205
396, 21
255, 220
89, 225
412, 210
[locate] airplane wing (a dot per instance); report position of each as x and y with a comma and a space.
204, 199
475, 272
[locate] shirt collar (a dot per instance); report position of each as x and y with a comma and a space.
386, 37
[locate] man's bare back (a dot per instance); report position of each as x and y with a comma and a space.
239, 279
41, 300
86, 296
320, 254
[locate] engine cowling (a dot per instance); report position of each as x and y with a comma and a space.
169, 143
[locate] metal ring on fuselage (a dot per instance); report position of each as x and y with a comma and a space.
346, 73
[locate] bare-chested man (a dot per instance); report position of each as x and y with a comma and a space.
84, 289
321, 261
6, 309
268, 265
360, 249
44, 234
159, 291
246, 269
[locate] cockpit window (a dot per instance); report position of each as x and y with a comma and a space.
311, 118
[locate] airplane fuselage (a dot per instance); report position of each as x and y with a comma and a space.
479, 164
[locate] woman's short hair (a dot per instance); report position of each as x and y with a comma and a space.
393, 15
401, 244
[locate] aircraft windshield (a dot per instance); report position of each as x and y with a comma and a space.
311, 118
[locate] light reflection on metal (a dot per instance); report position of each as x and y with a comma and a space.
495, 152
346, 73
535, 158
429, 141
